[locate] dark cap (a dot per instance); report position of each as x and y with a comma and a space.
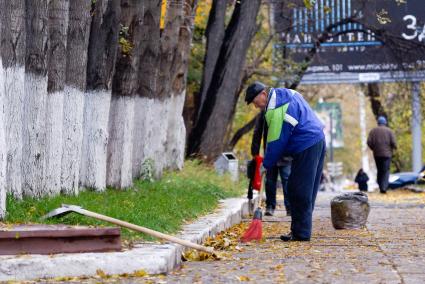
253, 90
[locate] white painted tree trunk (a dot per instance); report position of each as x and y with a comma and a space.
159, 133
95, 139
73, 114
58, 20
156, 135
120, 145
54, 118
14, 82
176, 134
34, 134
142, 107
3, 149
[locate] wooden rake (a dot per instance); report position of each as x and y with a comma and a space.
66, 209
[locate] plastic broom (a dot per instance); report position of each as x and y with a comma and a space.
255, 229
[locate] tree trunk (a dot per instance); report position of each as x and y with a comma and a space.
211, 127
13, 53
145, 108
3, 150
158, 67
176, 134
58, 26
214, 34
34, 118
374, 95
121, 117
163, 97
73, 112
100, 68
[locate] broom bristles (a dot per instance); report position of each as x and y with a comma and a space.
254, 232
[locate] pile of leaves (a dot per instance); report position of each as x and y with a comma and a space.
224, 243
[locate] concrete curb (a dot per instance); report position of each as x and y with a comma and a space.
152, 258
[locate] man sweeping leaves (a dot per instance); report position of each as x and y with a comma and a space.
293, 130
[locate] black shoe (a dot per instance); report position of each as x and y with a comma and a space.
383, 191
290, 238
269, 211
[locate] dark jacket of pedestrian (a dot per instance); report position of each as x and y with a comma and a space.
381, 140
361, 179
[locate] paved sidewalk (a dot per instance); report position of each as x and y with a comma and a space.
390, 250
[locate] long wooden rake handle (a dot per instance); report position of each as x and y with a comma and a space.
141, 229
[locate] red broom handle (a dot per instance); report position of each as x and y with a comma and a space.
256, 183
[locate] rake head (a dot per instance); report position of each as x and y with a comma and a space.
61, 211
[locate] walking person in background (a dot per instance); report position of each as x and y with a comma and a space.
282, 168
293, 130
381, 141
361, 179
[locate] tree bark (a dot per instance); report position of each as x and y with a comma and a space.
149, 58
374, 95
121, 117
168, 47
73, 112
34, 135
56, 68
168, 66
144, 108
3, 150
102, 51
12, 21
103, 44
156, 87
176, 134
183, 45
215, 35
219, 103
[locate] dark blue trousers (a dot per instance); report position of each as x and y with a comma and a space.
303, 184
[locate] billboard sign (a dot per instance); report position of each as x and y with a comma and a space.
366, 41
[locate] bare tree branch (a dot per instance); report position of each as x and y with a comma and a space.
242, 131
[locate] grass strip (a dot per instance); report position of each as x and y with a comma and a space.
162, 205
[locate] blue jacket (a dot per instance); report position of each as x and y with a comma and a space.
292, 125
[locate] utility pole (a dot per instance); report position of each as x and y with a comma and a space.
363, 138
331, 144
416, 128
